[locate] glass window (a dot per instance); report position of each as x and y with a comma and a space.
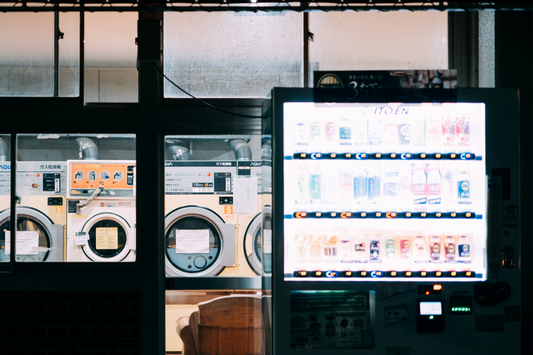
75, 199
5, 191
27, 60
27, 55
242, 54
111, 57
378, 40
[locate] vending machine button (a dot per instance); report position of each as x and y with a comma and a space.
333, 155
393, 155
453, 156
438, 156
318, 273
363, 214
438, 214
423, 156
363, 273
318, 214
378, 214
408, 214
333, 214
393, 273
378, 156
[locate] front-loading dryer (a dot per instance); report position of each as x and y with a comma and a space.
101, 211
40, 211
200, 223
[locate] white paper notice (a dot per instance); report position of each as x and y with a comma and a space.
107, 238
190, 241
267, 241
81, 238
245, 195
27, 242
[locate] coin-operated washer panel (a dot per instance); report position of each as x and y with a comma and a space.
41, 191
200, 223
101, 211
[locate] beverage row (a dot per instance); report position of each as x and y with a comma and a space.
385, 186
433, 131
311, 246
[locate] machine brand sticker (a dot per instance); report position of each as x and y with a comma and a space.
109, 204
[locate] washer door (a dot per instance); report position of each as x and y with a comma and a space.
109, 237
212, 239
252, 244
49, 244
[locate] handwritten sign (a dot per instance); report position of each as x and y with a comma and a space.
107, 238
245, 195
27, 242
189, 241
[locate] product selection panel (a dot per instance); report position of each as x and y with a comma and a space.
384, 191
199, 177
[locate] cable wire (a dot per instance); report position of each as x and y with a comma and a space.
202, 101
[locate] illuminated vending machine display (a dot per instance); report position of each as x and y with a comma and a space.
384, 191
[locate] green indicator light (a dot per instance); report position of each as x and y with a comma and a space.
431, 317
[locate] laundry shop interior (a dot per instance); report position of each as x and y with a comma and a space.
188, 178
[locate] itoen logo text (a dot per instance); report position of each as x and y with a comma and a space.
391, 111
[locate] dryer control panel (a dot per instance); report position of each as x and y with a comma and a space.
199, 177
35, 178
117, 178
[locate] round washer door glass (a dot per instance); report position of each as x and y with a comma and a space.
192, 262
107, 238
26, 224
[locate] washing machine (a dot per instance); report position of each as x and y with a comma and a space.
200, 224
41, 191
101, 211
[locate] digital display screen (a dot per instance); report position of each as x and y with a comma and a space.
430, 308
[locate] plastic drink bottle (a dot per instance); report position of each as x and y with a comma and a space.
375, 249
331, 131
302, 184
449, 248
405, 247
404, 200
464, 249
463, 186
418, 186
448, 130
419, 249
390, 248
434, 185
374, 185
404, 133
345, 187
360, 131
390, 133
360, 251
330, 249
374, 132
390, 187
463, 130
301, 135
315, 131
315, 184
331, 183
345, 132
345, 249
315, 249
300, 249
360, 186
433, 131
434, 248
449, 188
418, 128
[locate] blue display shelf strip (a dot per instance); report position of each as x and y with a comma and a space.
383, 156
384, 215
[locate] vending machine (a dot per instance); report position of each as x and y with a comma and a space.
395, 224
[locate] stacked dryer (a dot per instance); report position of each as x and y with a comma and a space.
101, 211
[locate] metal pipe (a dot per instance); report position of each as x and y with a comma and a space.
241, 149
3, 150
179, 149
88, 150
